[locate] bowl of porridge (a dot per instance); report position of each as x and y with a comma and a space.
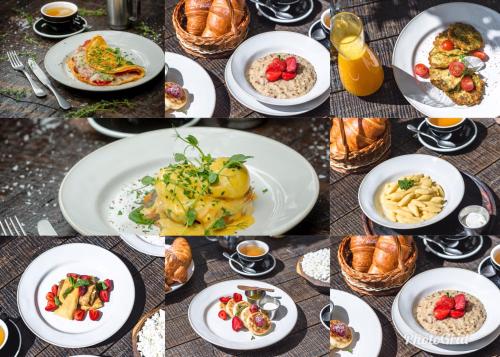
450, 306
281, 68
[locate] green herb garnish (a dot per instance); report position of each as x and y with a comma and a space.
101, 106
57, 301
406, 184
138, 217
148, 180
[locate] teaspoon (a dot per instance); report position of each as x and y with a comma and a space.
439, 142
447, 250
277, 13
488, 271
246, 269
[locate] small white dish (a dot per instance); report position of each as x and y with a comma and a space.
203, 318
195, 79
147, 244
190, 272
140, 50
49, 268
433, 280
365, 325
441, 171
283, 199
281, 42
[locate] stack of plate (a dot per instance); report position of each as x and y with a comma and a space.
278, 42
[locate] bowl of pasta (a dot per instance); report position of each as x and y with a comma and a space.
411, 191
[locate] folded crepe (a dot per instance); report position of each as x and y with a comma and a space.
96, 63
69, 304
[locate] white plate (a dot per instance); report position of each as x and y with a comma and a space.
464, 280
52, 266
282, 42
440, 149
140, 50
190, 272
367, 331
441, 171
192, 77
291, 182
414, 44
150, 245
250, 102
203, 318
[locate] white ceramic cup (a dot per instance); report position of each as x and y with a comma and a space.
3, 326
495, 251
324, 16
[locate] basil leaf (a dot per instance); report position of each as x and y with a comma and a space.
81, 282
219, 224
67, 291
57, 301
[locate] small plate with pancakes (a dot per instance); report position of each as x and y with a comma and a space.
205, 308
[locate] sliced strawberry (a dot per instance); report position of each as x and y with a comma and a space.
456, 314
79, 315
441, 313
94, 314
225, 299
237, 324
54, 289
254, 308
73, 275
291, 64
223, 315
273, 67
273, 76
446, 302
82, 290
104, 295
85, 277
109, 283
287, 76
281, 64
460, 302
50, 296
237, 297
51, 306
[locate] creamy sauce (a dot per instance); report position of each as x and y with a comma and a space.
474, 317
281, 89
269, 306
475, 220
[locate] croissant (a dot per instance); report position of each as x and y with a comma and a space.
386, 254
362, 248
359, 133
219, 17
196, 12
177, 260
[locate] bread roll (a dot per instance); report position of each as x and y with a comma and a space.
386, 254
362, 248
359, 133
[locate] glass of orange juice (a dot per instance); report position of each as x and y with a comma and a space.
360, 70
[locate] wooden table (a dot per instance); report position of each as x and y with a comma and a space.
147, 272
36, 155
308, 338
226, 106
383, 22
393, 344
17, 99
480, 159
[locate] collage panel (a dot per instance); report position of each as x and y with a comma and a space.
406, 59
82, 59
400, 296
242, 296
80, 295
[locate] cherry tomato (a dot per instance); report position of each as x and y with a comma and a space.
480, 54
421, 70
447, 45
456, 68
467, 84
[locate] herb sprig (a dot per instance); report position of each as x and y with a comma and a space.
406, 184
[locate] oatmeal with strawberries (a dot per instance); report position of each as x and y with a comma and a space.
281, 75
450, 313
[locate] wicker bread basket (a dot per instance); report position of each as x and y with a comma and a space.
209, 46
375, 284
365, 158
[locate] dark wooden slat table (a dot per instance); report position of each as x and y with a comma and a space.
480, 159
226, 106
383, 21
18, 252
393, 344
308, 338
36, 155
17, 99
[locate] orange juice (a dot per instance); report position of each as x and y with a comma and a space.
360, 70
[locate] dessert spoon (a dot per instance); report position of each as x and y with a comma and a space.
447, 250
439, 142
246, 269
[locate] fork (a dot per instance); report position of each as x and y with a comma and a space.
12, 227
16, 63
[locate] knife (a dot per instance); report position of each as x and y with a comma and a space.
63, 103
45, 228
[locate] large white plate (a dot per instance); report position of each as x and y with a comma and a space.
439, 279
140, 50
414, 44
203, 318
449, 350
291, 182
441, 171
150, 245
52, 266
190, 272
282, 42
250, 102
193, 77
367, 331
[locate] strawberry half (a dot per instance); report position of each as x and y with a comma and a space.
446, 302
460, 302
441, 313
104, 295
291, 64
94, 314
280, 64
287, 75
54, 289
273, 76
237, 297
51, 306
79, 315
237, 324
456, 314
222, 315
225, 299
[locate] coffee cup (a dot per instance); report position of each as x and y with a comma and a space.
252, 250
442, 126
326, 20
4, 333
59, 12
495, 258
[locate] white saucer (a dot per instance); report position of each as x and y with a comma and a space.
440, 149
455, 257
274, 110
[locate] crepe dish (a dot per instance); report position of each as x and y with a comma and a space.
201, 196
176, 97
340, 335
178, 259
98, 64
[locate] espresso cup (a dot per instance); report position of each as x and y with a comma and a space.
3, 326
326, 20
442, 130
252, 258
59, 12
495, 252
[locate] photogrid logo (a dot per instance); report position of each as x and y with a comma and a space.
456, 340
